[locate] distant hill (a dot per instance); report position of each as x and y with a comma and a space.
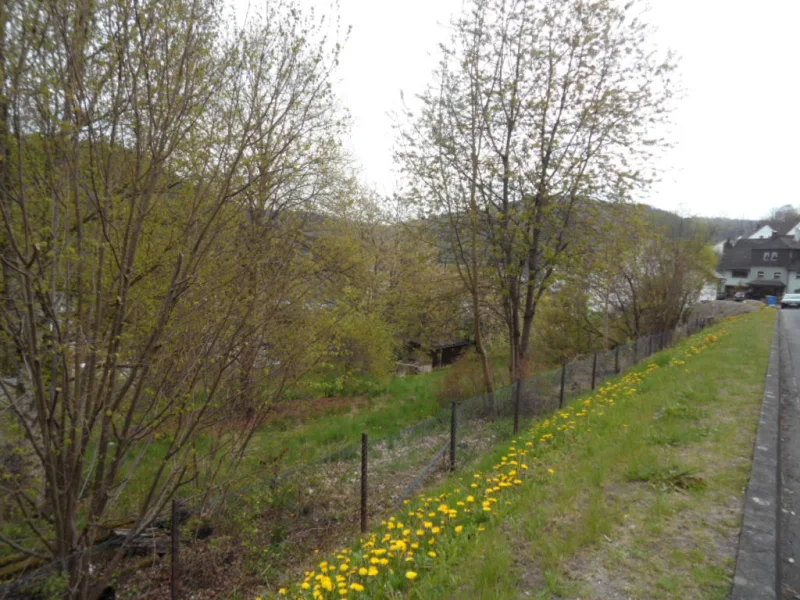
720, 228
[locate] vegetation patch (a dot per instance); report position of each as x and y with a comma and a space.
671, 476
531, 519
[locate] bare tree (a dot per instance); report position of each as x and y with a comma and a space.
155, 169
442, 149
564, 97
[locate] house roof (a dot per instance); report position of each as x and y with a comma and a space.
785, 228
776, 243
738, 256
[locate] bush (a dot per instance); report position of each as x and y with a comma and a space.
364, 346
464, 379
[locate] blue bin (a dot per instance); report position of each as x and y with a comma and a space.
772, 300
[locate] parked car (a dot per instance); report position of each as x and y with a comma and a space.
722, 296
790, 301
740, 296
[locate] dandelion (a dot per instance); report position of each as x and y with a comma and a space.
412, 575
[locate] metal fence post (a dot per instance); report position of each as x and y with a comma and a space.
563, 376
616, 360
594, 370
364, 482
174, 576
517, 394
453, 436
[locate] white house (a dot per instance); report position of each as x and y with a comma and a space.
763, 267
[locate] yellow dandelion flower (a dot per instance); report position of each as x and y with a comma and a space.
411, 575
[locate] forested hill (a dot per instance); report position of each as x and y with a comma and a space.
720, 227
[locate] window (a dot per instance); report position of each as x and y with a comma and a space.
761, 274
776, 275
770, 256
742, 273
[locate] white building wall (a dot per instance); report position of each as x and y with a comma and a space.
793, 282
764, 233
769, 274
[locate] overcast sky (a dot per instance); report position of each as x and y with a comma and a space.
735, 132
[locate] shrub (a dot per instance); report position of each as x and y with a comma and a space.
464, 379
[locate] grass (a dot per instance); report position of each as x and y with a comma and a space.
406, 400
645, 505
294, 438
621, 503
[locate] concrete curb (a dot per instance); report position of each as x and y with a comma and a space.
757, 572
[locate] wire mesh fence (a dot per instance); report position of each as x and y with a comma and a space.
334, 498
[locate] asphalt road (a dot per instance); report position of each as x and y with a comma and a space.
789, 530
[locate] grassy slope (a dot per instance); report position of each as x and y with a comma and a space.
407, 400
647, 505
297, 439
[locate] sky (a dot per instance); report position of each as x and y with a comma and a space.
735, 131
